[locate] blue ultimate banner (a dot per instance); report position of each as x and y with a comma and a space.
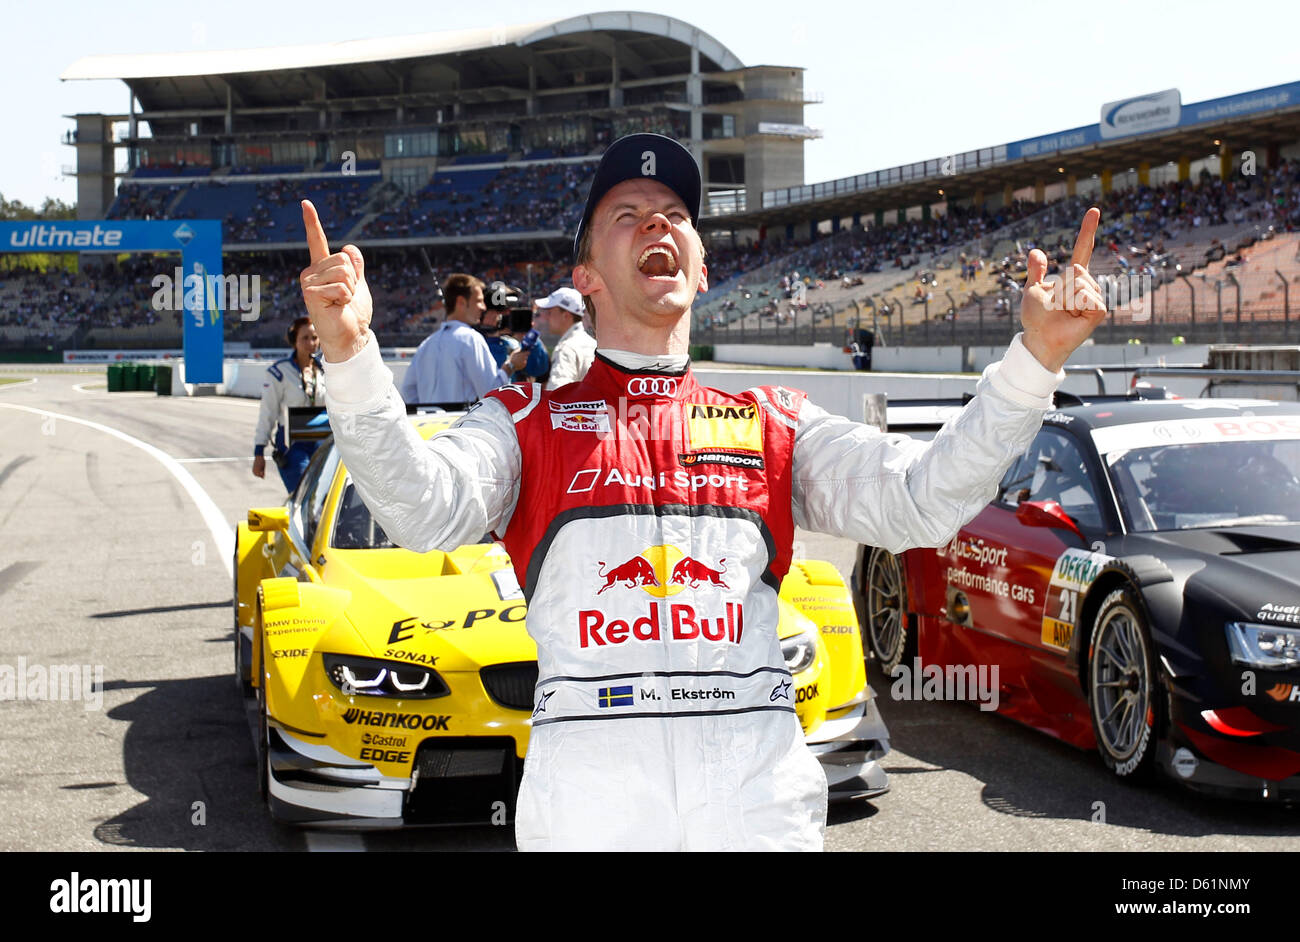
198, 241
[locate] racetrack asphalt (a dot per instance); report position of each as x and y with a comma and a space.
108, 561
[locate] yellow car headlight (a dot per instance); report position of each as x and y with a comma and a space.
799, 651
372, 677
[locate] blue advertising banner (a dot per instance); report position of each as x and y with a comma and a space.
1235, 106
1051, 143
203, 292
1216, 109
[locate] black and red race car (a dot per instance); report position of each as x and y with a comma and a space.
1133, 586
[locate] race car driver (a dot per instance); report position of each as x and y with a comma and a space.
650, 519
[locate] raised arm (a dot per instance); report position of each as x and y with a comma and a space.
436, 494
893, 492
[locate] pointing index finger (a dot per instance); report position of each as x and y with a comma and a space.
317, 244
1082, 254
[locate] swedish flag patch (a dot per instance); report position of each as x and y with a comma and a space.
615, 696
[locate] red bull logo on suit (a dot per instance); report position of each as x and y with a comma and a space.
662, 571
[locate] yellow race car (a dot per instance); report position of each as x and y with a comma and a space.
396, 688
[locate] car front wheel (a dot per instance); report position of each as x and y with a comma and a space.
885, 595
1122, 693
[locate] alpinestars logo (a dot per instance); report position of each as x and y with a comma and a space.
784, 398
541, 702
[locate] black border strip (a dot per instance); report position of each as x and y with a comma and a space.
661, 716
642, 371
293, 729
755, 672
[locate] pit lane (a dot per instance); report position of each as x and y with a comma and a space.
108, 561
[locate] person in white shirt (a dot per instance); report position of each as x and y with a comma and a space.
454, 363
576, 348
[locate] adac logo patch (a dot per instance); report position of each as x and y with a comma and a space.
712, 426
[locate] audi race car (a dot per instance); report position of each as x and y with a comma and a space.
394, 688
1134, 586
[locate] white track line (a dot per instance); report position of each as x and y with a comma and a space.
223, 533
80, 387
224, 538
21, 382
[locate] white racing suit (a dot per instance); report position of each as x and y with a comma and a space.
283, 387
650, 521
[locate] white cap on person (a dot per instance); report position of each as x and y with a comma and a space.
567, 298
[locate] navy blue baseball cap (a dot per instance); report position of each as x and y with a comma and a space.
644, 157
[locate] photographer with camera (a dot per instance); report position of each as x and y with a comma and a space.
522, 331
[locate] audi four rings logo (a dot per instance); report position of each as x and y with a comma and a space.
652, 386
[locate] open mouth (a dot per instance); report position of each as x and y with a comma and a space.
658, 260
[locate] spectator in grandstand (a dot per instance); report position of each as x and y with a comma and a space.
295, 380
454, 364
575, 350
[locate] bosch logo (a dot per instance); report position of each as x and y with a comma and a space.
652, 386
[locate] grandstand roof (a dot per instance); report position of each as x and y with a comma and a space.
921, 182
647, 44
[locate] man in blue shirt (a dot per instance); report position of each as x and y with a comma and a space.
454, 364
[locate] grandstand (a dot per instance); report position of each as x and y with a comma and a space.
935, 251
468, 149
472, 150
